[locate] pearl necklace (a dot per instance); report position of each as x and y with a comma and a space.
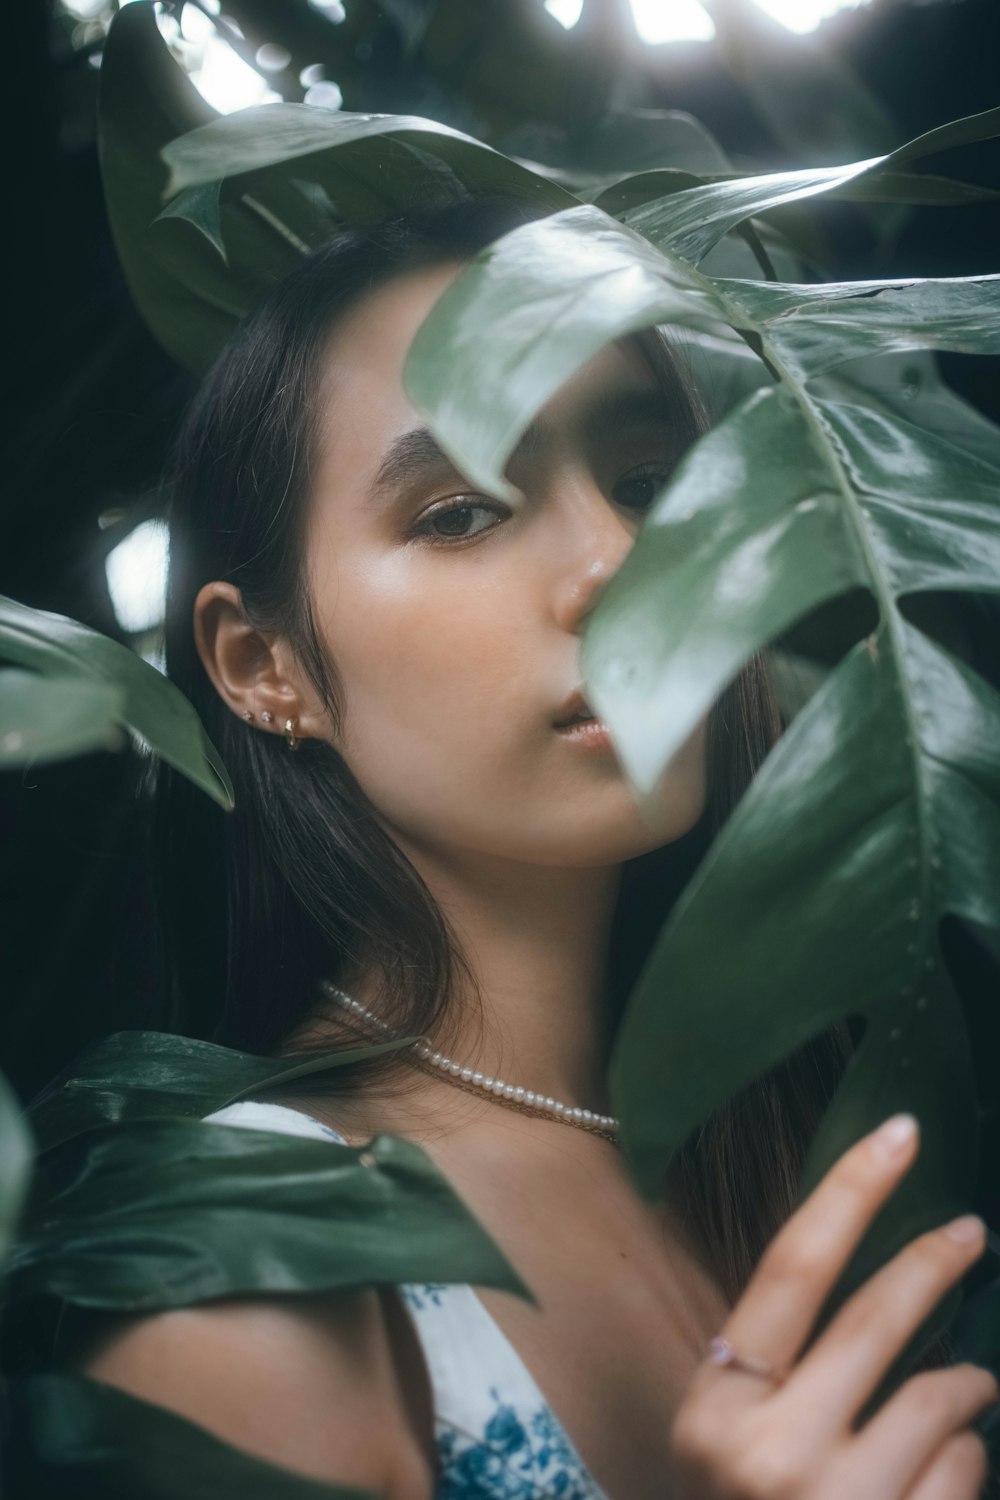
501, 1092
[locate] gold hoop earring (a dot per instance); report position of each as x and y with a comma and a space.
289, 732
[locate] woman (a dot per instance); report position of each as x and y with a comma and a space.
433, 836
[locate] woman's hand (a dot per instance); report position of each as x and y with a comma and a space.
746, 1436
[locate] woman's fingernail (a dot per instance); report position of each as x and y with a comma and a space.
893, 1138
965, 1230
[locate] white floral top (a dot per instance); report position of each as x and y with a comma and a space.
497, 1437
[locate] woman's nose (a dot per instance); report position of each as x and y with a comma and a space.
599, 541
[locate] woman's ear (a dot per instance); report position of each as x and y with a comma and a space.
252, 670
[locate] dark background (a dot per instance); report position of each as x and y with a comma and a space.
90, 400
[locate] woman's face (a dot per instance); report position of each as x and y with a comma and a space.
454, 622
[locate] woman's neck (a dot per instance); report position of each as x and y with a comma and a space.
535, 940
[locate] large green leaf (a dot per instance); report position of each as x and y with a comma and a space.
166, 1213
834, 873
555, 291
15, 1160
909, 385
626, 195
291, 173
144, 1075
341, 152
813, 329
134, 694
691, 222
849, 499
83, 1440
879, 813
47, 718
563, 287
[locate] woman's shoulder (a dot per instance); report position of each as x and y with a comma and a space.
327, 1384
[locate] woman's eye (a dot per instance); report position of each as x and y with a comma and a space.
458, 522
638, 489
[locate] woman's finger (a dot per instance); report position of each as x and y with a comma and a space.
845, 1365
957, 1472
894, 1448
775, 1316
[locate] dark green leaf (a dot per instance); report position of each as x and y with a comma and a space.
691, 222
879, 813
835, 899
167, 1213
790, 507
83, 1440
202, 207
915, 188
143, 1075
922, 514
48, 718
275, 135
148, 704
144, 101
292, 173
15, 1160
910, 386
967, 131
629, 193
814, 329
557, 292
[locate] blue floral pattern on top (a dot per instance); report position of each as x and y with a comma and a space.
513, 1459
424, 1294
497, 1438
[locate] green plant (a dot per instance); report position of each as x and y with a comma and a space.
843, 507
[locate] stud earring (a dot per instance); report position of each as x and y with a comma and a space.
248, 716
290, 739
267, 716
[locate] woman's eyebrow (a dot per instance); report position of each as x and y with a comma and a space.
413, 456
417, 456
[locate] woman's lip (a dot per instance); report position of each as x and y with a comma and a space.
591, 732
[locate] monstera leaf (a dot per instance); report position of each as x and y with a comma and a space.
87, 1441
166, 1213
255, 190
878, 814
148, 1075
47, 718
209, 211
102, 687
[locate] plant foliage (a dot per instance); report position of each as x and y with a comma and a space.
86, 1441
841, 509
878, 814
150, 1075
167, 1213
85, 688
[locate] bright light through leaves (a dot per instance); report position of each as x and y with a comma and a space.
806, 15
566, 12
683, 21
217, 71
137, 577
688, 21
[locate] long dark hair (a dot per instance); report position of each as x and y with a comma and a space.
314, 887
